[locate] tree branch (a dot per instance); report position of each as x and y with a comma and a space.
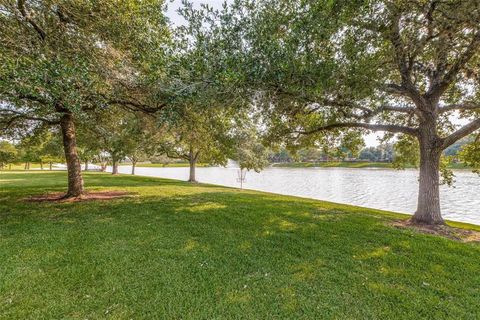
136, 106
396, 109
459, 106
440, 86
462, 132
26, 15
368, 126
16, 115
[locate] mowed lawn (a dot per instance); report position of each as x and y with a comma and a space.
181, 251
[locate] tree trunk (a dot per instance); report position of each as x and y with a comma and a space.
50, 165
75, 180
41, 165
86, 165
9, 166
114, 165
26, 166
134, 164
428, 207
193, 161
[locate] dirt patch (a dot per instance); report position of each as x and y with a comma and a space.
87, 196
458, 234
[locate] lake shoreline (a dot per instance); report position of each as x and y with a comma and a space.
370, 187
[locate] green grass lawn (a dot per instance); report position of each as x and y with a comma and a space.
181, 251
21, 166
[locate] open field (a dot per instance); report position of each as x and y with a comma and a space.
175, 250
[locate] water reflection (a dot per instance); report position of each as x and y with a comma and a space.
375, 188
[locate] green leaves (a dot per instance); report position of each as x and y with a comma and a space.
8, 153
470, 154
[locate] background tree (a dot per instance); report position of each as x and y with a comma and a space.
8, 153
470, 154
249, 152
320, 68
196, 133
199, 120
29, 149
143, 140
51, 149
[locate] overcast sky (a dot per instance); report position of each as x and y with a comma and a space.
370, 140
175, 4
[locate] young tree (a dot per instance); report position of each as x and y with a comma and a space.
62, 61
124, 134
196, 134
322, 67
51, 149
143, 139
249, 152
8, 153
29, 149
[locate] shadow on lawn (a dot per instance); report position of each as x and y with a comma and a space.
237, 245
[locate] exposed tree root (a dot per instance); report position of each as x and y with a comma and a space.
86, 196
442, 230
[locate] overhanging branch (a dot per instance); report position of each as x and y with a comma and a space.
374, 127
460, 106
27, 16
462, 132
136, 106
440, 86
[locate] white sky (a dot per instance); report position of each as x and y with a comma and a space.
173, 5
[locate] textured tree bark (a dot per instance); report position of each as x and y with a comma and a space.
193, 161
428, 206
134, 164
114, 165
75, 180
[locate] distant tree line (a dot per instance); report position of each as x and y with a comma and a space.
382, 153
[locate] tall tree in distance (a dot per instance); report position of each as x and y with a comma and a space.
320, 68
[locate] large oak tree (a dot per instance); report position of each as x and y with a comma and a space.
62, 60
323, 68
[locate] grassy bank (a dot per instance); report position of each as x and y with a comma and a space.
345, 164
181, 251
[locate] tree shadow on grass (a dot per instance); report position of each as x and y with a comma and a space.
241, 253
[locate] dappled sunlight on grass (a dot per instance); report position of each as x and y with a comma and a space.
376, 253
200, 207
238, 297
178, 250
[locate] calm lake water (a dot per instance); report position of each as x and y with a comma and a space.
385, 189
